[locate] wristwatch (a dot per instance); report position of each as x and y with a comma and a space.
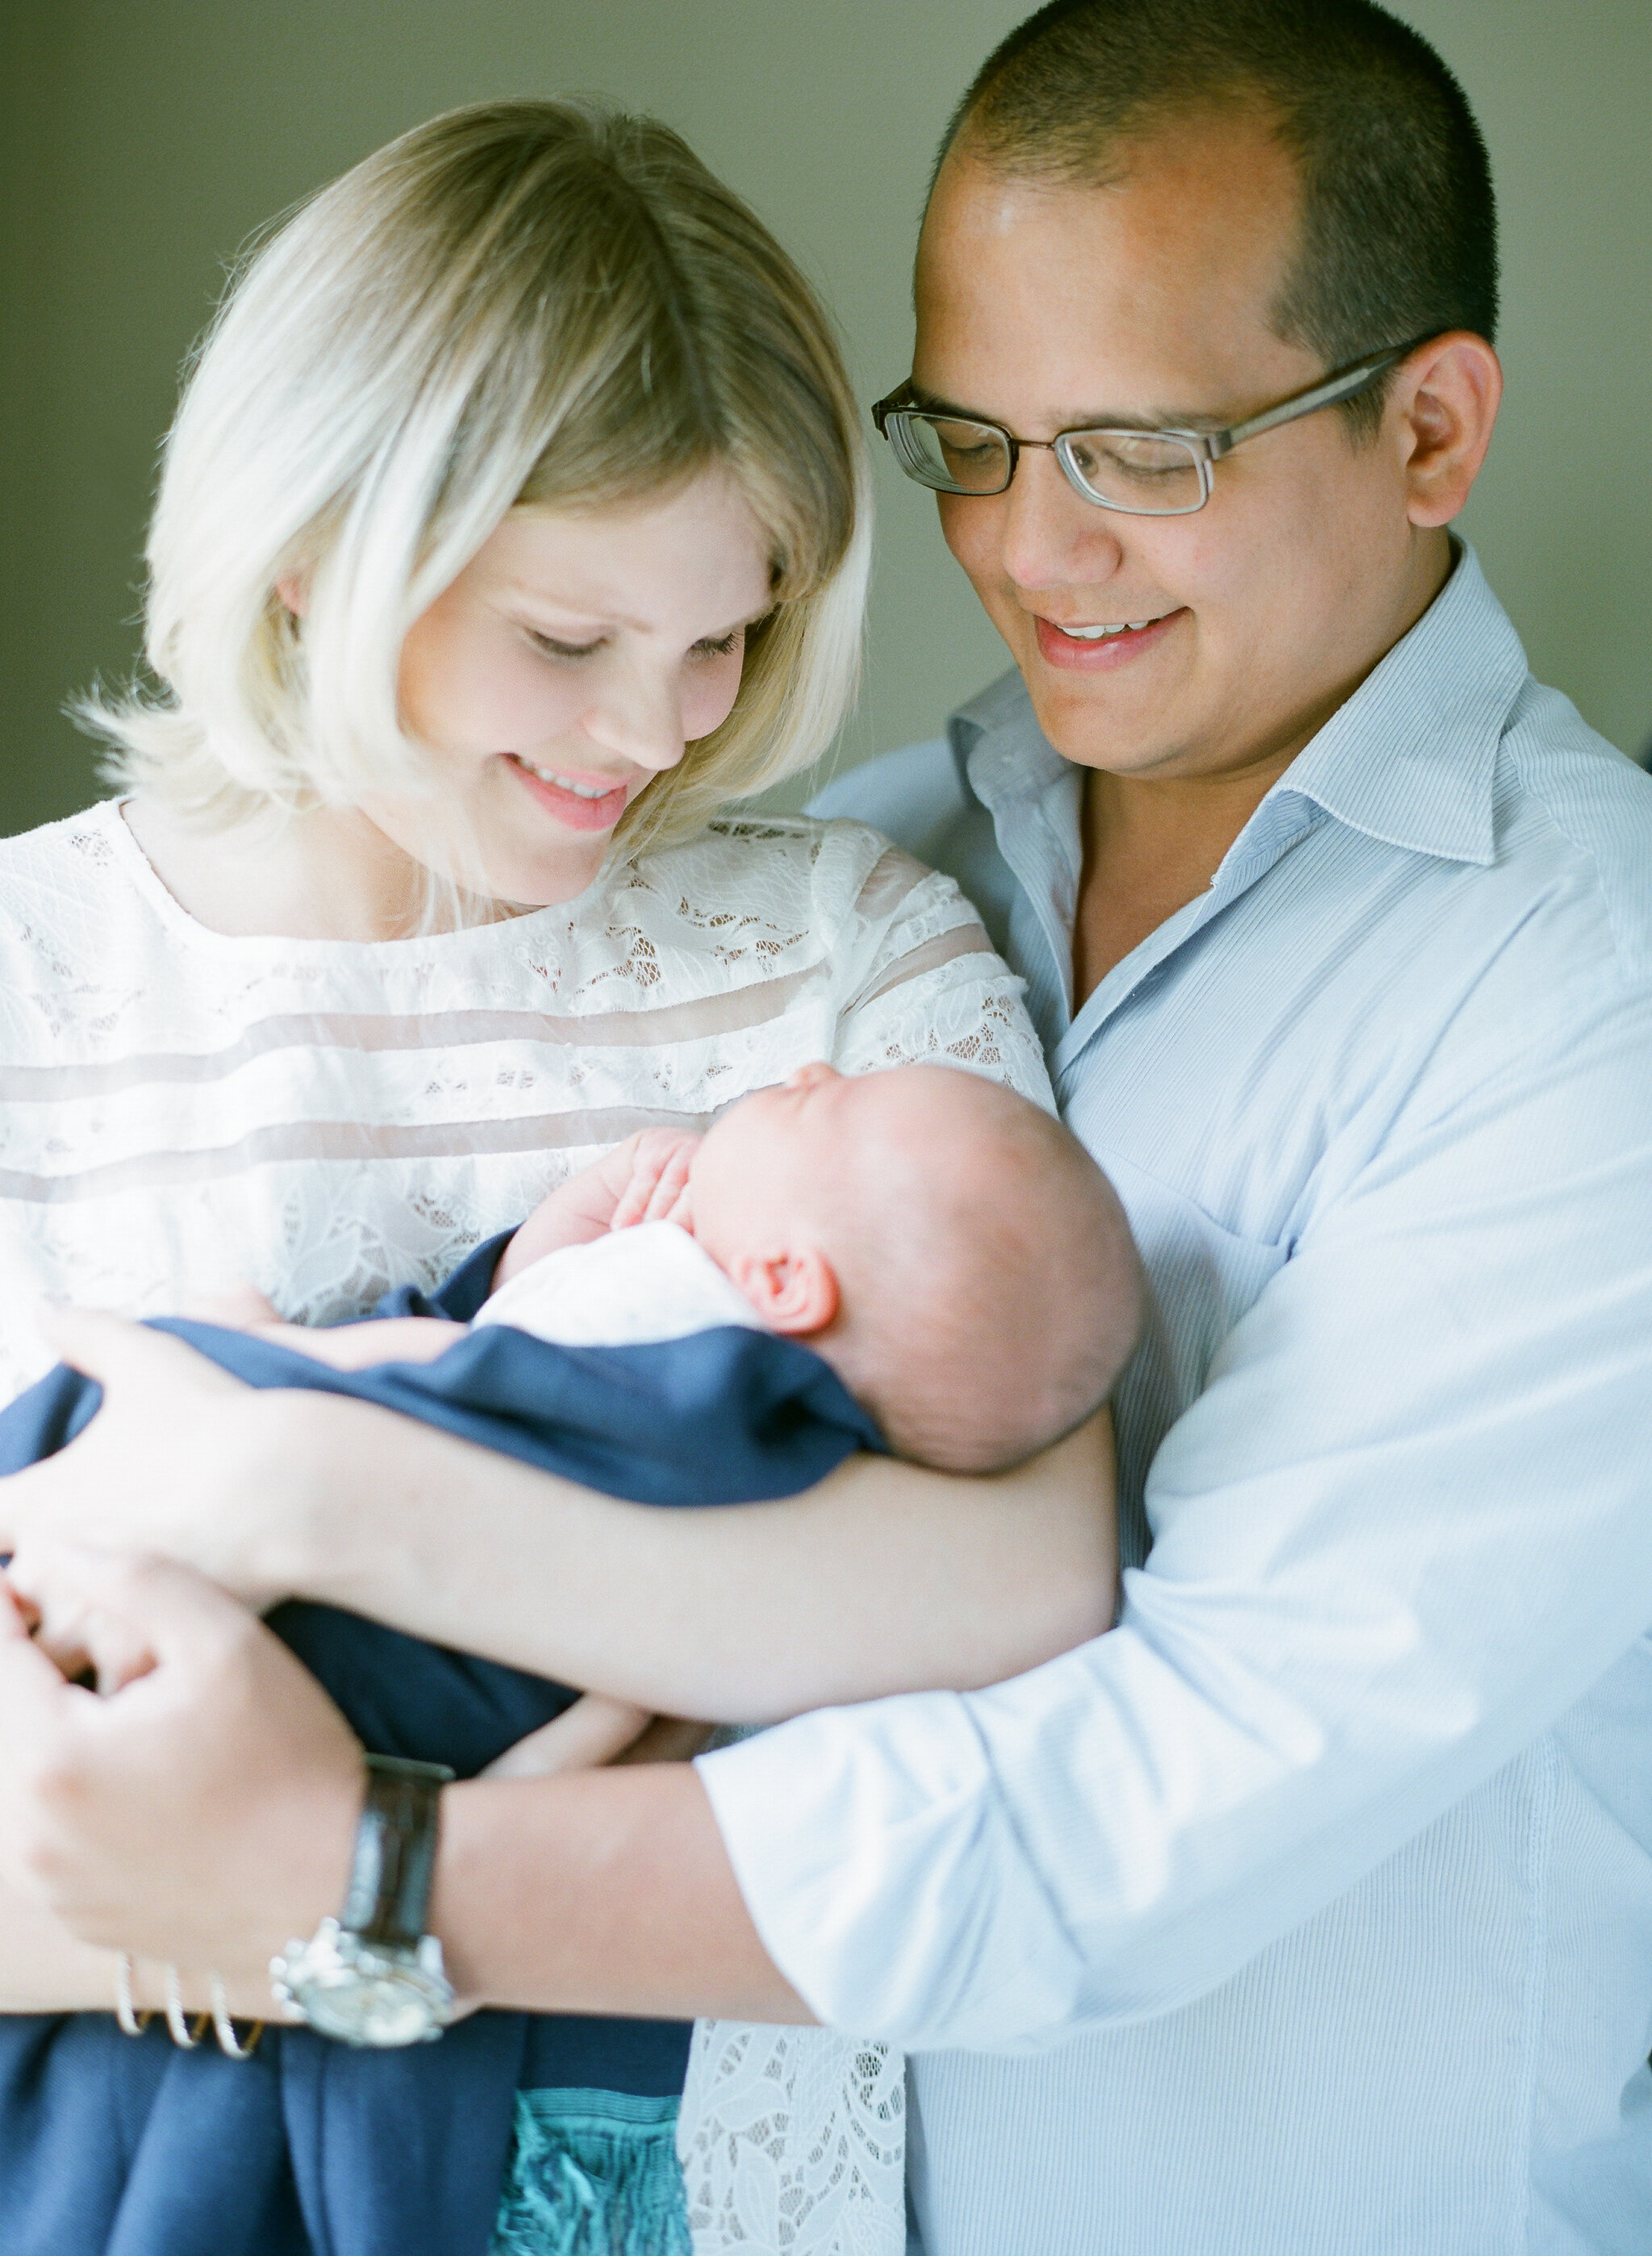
372, 1975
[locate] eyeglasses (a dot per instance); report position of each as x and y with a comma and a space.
1145, 473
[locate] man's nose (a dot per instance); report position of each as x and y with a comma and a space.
1051, 536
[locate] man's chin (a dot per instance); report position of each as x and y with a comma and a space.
1095, 732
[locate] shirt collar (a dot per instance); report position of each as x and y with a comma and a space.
1408, 758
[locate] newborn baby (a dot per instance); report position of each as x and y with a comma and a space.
963, 1275
948, 1248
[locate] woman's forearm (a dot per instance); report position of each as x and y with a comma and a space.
601, 1892
885, 1578
43, 1969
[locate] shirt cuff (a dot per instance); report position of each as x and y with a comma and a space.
880, 1869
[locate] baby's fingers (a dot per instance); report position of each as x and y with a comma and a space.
667, 1201
655, 1153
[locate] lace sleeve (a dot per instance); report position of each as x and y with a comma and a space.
930, 989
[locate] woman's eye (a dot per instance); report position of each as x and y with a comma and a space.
725, 648
552, 648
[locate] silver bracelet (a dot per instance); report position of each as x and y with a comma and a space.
183, 2036
227, 2041
126, 2012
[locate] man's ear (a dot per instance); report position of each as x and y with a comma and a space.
794, 1293
1447, 394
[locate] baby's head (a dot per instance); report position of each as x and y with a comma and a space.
953, 1251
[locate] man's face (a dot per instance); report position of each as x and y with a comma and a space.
1043, 307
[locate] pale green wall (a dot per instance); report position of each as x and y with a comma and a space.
141, 139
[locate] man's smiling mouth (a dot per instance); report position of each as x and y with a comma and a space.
1102, 645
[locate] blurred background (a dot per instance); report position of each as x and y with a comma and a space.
141, 141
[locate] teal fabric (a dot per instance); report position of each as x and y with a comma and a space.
592, 2174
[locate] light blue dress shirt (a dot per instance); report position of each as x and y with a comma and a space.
1309, 1913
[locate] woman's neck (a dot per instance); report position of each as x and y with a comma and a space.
330, 874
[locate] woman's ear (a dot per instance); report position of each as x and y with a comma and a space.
1449, 404
794, 1293
293, 593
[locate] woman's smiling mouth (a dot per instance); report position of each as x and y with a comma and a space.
579, 802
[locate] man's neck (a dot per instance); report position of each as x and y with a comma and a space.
1153, 842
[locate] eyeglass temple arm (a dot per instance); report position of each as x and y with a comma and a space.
1323, 395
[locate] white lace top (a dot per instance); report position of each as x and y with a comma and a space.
180, 1110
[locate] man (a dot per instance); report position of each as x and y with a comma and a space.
1311, 1909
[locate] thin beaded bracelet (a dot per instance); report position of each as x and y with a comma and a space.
185, 2033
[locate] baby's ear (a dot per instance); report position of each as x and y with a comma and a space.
794, 1293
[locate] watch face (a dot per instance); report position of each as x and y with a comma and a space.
361, 1996
394, 2008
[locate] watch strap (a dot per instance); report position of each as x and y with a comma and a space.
395, 1857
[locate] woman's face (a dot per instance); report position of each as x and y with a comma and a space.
573, 660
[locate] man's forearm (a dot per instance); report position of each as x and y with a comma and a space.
602, 1892
885, 1578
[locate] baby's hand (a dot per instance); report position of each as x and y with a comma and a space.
645, 1179
346, 1347
358, 1347
657, 1189
241, 1308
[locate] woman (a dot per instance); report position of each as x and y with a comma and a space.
513, 523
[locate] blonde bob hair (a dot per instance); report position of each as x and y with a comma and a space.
522, 304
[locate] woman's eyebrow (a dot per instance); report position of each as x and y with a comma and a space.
532, 600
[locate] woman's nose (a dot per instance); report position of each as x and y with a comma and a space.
639, 721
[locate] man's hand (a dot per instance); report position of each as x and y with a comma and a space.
202, 1813
176, 1446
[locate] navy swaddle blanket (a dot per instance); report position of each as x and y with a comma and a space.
527, 2134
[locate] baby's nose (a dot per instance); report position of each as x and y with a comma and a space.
807, 1075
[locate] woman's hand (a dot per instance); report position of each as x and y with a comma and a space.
182, 1460
203, 1813
594, 1730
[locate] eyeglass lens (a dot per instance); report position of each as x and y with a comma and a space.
1134, 470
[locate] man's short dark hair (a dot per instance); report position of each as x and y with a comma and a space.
1399, 234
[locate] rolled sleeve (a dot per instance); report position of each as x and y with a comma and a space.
1402, 1530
